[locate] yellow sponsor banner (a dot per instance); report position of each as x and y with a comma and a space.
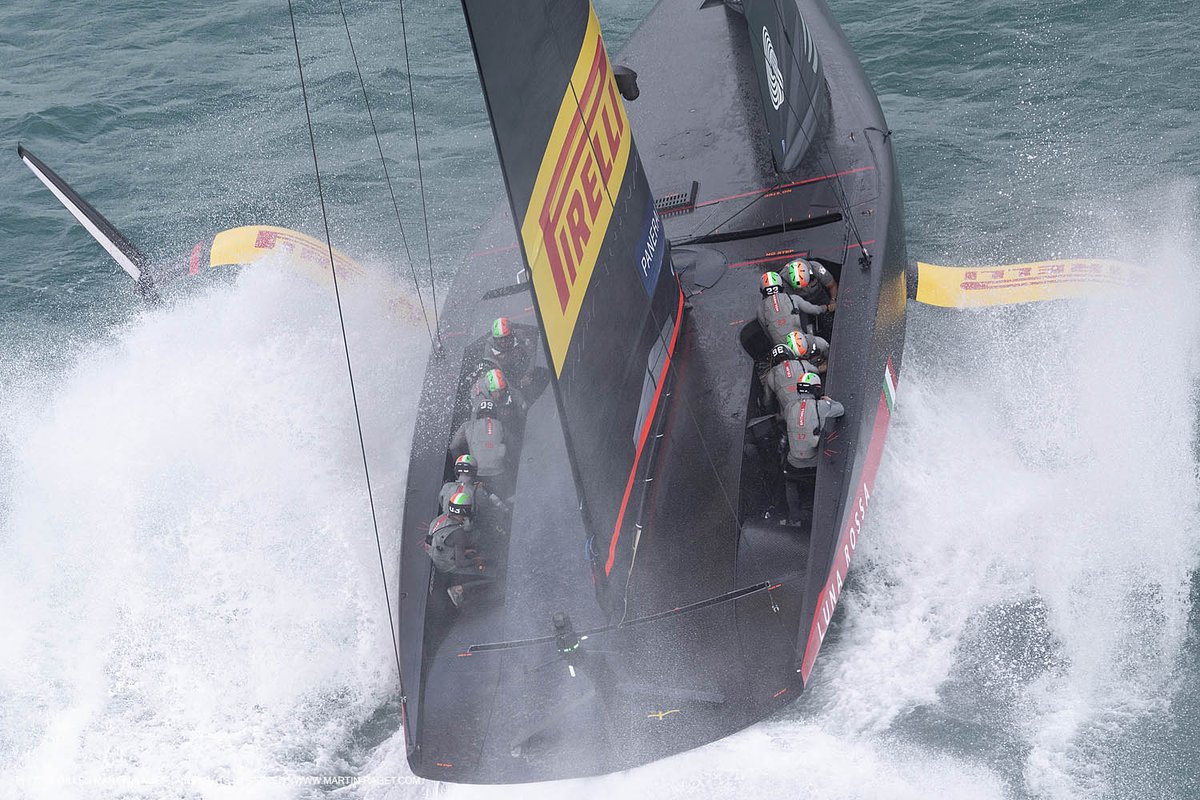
305, 254
972, 287
251, 242
570, 208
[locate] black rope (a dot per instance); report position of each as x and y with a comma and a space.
412, 104
388, 178
346, 345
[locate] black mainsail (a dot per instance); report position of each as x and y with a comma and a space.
607, 298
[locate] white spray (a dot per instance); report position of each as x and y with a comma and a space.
189, 576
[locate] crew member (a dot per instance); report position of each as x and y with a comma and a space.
777, 312
507, 354
493, 385
465, 480
786, 368
448, 541
810, 348
810, 280
483, 437
814, 289
451, 550
805, 418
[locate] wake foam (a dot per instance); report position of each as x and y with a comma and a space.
190, 581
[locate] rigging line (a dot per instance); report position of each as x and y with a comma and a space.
388, 178
412, 105
346, 346
833, 168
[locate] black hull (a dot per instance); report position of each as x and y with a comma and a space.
515, 714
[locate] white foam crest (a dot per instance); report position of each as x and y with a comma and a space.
1043, 458
187, 563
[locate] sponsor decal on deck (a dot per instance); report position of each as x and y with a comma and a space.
581, 172
848, 539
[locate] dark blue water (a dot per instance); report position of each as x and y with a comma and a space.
190, 585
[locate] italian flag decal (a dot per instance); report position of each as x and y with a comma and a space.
889, 386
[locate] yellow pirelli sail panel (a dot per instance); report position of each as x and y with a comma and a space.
571, 206
1010, 284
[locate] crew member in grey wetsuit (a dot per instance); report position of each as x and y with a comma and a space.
810, 348
448, 540
507, 353
780, 381
777, 312
483, 437
806, 418
814, 290
493, 385
451, 548
465, 480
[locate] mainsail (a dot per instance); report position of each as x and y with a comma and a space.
607, 298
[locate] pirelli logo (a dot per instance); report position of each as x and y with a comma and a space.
570, 208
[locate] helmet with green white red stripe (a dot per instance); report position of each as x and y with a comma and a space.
771, 283
494, 381
502, 334
809, 382
465, 465
797, 342
461, 505
798, 273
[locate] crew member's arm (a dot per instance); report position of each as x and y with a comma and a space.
493, 499
833, 409
812, 309
826, 278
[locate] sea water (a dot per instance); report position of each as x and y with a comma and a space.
189, 577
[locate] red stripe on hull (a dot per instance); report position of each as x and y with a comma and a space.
637, 456
848, 539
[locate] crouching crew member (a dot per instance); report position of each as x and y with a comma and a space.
493, 385
507, 353
814, 290
451, 548
777, 312
786, 368
806, 417
448, 541
809, 348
